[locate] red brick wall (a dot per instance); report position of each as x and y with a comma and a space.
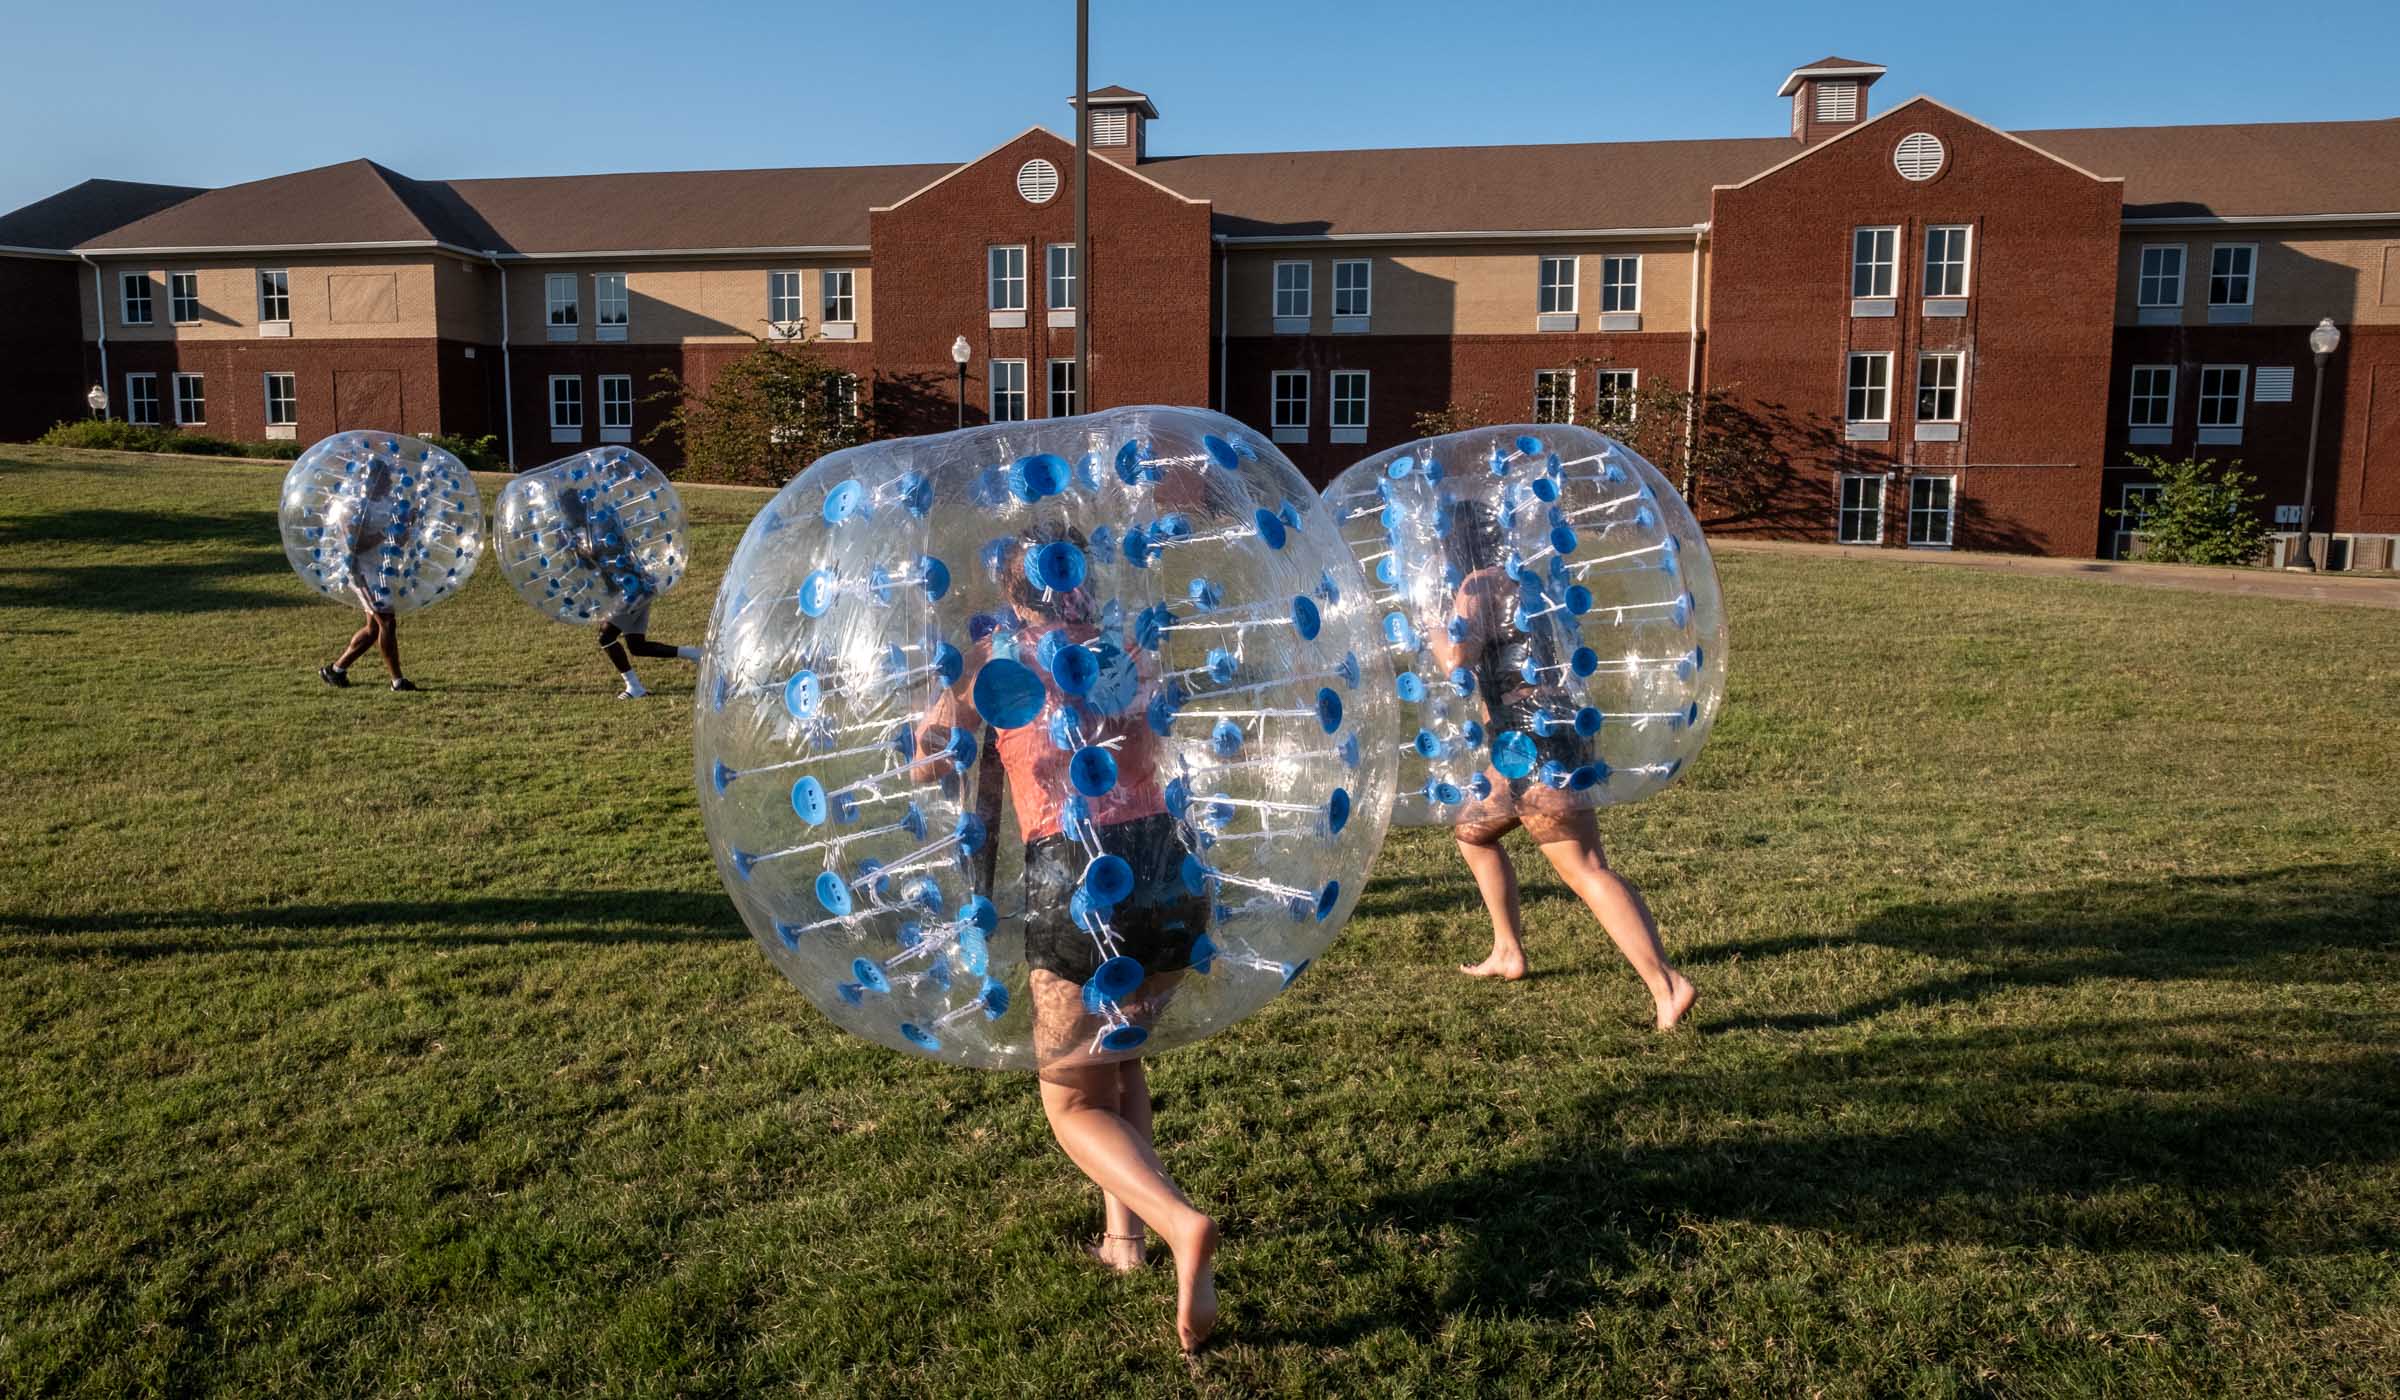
1149, 280
2037, 335
236, 371
42, 378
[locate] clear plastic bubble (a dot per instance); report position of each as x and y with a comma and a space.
1548, 615
592, 538
381, 519
1046, 742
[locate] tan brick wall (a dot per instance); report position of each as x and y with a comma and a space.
398, 291
2352, 275
717, 302
1463, 289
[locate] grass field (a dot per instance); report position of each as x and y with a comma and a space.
2047, 933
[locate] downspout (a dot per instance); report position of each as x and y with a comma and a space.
100, 319
508, 376
1691, 367
1224, 330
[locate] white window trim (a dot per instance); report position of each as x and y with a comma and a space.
1278, 429
2249, 280
1633, 385
151, 379
787, 327
566, 432
993, 281
1050, 369
1636, 260
1291, 322
1050, 301
1024, 391
1573, 285
2132, 376
615, 432
126, 283
1890, 265
1336, 430
1367, 308
602, 327
1966, 262
1848, 387
194, 318
177, 388
1958, 392
263, 318
1567, 398
267, 396
1882, 506
1949, 513
2125, 535
2223, 434
2183, 272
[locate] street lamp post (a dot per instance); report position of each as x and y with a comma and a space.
2322, 342
959, 351
98, 399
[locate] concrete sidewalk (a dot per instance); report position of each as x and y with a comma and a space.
2356, 590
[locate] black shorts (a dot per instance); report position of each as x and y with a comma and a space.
1154, 926
1561, 745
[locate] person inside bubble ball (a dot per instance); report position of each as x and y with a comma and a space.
375, 527
1097, 1101
1486, 641
598, 539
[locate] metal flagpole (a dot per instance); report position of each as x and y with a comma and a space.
1083, 206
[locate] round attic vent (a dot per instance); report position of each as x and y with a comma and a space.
1919, 156
1037, 181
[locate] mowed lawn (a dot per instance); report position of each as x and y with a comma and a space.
2047, 936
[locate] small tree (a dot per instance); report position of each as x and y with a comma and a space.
2202, 514
763, 417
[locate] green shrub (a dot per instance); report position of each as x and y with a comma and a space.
481, 454
117, 435
2202, 514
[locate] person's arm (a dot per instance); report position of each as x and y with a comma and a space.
952, 710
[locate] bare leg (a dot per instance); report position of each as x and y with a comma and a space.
1496, 879
1122, 1247
387, 641
364, 638
1619, 907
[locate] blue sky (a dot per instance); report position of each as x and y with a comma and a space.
210, 94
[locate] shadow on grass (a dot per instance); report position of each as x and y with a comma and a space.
94, 525
588, 916
166, 586
2188, 1132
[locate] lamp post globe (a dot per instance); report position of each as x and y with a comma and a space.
2322, 342
960, 352
98, 399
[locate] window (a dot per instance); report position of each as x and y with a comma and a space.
1558, 287
838, 289
283, 400
191, 399
2229, 269
616, 401
1837, 100
183, 297
136, 289
1007, 266
2162, 275
783, 299
1937, 388
1873, 253
1870, 388
1861, 515
2134, 501
560, 289
1291, 290
1291, 399
1063, 275
1931, 508
1109, 126
1353, 287
1062, 388
2221, 391
2151, 404
841, 395
275, 297
566, 403
609, 303
1349, 400
141, 398
1615, 402
1553, 396
1621, 284
1946, 260
1008, 381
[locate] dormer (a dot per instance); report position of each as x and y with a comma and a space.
1829, 97
1120, 121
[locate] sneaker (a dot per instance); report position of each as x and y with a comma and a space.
339, 680
404, 683
633, 694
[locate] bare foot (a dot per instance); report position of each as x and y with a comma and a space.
1679, 997
1508, 967
1123, 1253
1196, 1287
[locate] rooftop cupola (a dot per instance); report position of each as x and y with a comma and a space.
1120, 121
1828, 96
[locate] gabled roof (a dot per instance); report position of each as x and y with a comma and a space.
354, 202
86, 211
1901, 110
2243, 170
1830, 68
1115, 96
689, 210
1066, 148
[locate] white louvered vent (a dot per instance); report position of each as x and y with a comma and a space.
1109, 127
2272, 384
1037, 181
1919, 156
1837, 102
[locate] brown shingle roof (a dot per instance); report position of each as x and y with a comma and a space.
802, 208
2256, 168
356, 201
86, 211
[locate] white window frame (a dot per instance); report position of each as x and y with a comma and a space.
2163, 398
616, 406
566, 410
1556, 389
178, 301
1852, 388
1008, 392
787, 304
1557, 294
1004, 277
289, 417
1348, 426
1620, 290
1357, 301
1072, 397
1111, 126
134, 287
1957, 388
1062, 277
562, 308
1844, 512
1294, 295
2127, 494
842, 394
611, 314
1288, 392
1628, 382
1948, 512
837, 296
199, 383
2144, 276
1875, 251
274, 296
1963, 265
140, 390
2240, 397
2248, 275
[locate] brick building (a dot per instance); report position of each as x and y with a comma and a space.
1954, 334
